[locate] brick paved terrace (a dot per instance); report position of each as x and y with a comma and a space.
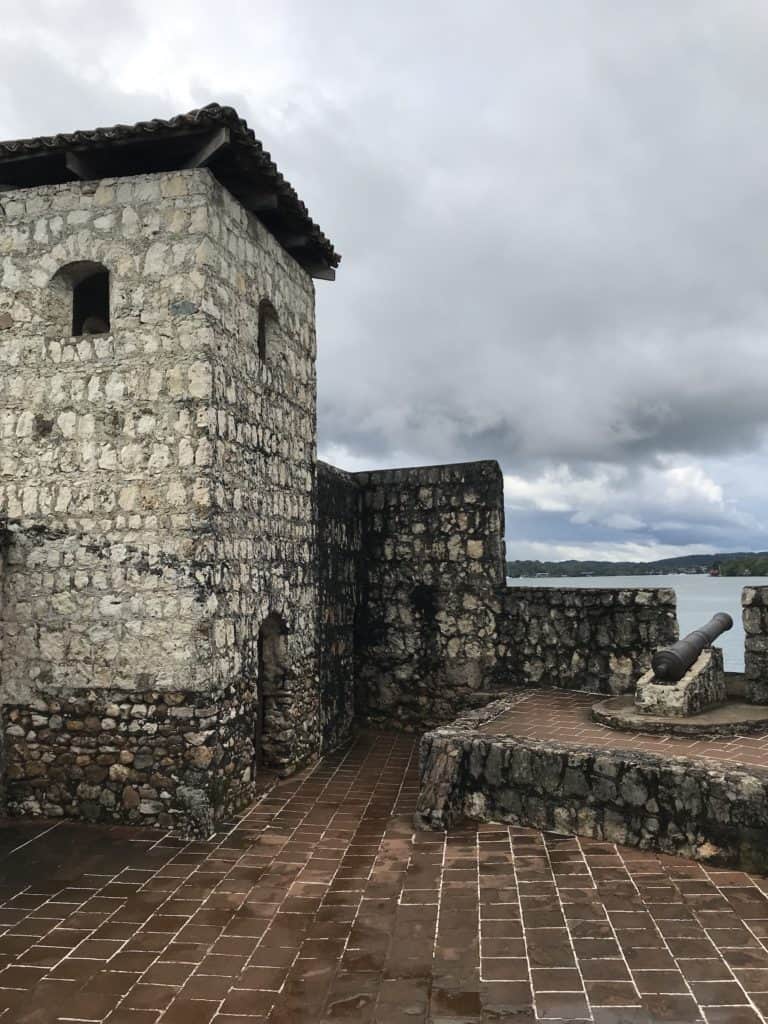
565, 716
322, 905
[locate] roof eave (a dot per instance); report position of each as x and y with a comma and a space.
213, 137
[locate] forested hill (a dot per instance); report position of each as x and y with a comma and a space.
731, 563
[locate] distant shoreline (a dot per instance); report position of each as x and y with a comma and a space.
601, 576
729, 563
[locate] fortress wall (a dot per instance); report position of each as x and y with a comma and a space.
160, 488
433, 542
339, 550
438, 629
594, 639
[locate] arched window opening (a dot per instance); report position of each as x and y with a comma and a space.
89, 286
273, 671
269, 328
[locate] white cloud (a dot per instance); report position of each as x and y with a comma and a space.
611, 496
559, 489
689, 483
623, 521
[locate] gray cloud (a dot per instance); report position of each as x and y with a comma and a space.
552, 221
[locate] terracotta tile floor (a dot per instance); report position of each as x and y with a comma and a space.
564, 716
322, 905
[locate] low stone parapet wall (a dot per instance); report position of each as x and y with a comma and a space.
583, 638
698, 808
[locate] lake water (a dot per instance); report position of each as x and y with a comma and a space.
698, 598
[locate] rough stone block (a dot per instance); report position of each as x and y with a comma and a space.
756, 690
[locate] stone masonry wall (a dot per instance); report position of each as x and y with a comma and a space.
699, 809
593, 639
339, 546
4, 541
158, 485
755, 616
433, 541
160, 489
262, 547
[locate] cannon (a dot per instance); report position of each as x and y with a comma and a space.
671, 663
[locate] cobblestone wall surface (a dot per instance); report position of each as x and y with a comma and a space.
433, 540
104, 438
755, 618
677, 805
599, 640
339, 544
261, 547
158, 483
157, 758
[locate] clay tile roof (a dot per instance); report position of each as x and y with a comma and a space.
213, 136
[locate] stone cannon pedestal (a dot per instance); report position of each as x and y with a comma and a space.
696, 705
702, 687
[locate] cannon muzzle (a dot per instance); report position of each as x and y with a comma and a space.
671, 663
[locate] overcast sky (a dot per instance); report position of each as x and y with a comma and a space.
554, 225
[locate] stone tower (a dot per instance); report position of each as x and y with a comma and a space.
157, 470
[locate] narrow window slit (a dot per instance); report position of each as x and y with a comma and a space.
269, 326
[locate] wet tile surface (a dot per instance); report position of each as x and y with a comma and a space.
322, 905
565, 717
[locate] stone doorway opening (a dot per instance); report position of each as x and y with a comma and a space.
273, 671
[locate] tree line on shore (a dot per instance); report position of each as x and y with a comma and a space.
731, 563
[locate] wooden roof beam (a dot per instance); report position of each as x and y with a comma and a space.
210, 147
296, 244
297, 241
257, 200
320, 271
81, 166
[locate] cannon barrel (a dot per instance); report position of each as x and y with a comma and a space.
671, 663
